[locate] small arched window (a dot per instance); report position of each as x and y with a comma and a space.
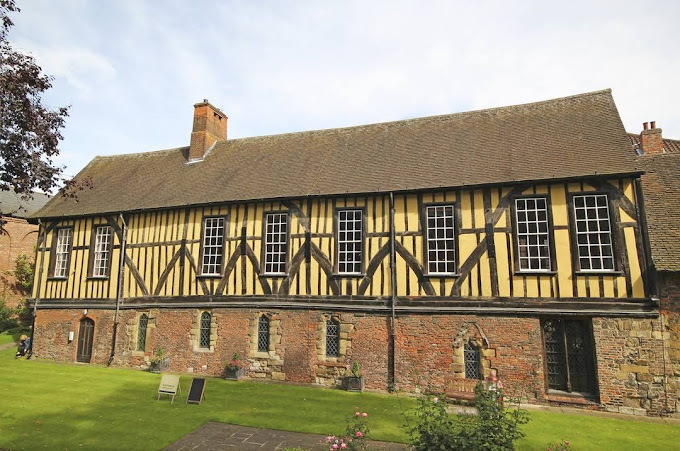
141, 332
472, 361
332, 338
204, 339
263, 334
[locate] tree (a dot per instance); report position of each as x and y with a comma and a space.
29, 131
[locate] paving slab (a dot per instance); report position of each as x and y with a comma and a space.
221, 436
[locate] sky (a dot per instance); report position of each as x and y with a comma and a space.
131, 70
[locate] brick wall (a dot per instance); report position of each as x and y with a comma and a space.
630, 363
19, 236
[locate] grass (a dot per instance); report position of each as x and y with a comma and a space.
6, 338
59, 406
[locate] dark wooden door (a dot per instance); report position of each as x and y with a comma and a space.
85, 336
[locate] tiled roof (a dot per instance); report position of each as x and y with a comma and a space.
662, 204
562, 138
669, 145
12, 204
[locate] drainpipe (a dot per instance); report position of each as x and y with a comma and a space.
392, 379
119, 292
39, 284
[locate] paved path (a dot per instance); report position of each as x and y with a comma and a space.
220, 436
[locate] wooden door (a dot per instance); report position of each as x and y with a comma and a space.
85, 336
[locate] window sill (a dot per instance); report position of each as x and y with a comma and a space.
571, 398
57, 278
598, 273
204, 350
260, 355
447, 274
349, 275
535, 273
275, 275
209, 276
93, 278
333, 364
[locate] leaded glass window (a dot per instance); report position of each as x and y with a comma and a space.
62, 251
441, 253
141, 332
102, 249
568, 354
332, 338
471, 352
204, 339
350, 241
213, 246
263, 334
533, 238
276, 243
593, 232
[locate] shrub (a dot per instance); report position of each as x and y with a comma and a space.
493, 428
356, 434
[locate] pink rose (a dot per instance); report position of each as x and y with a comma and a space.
358, 434
343, 446
364, 414
335, 446
435, 399
330, 438
357, 414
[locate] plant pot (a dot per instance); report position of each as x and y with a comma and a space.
234, 375
158, 366
353, 383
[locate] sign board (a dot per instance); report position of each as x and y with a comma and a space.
196, 391
169, 386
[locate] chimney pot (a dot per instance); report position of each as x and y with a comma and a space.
210, 127
652, 125
644, 125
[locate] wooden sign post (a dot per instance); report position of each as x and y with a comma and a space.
169, 386
196, 392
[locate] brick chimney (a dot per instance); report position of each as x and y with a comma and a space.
210, 127
651, 141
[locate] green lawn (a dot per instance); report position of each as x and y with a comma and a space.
5, 338
55, 406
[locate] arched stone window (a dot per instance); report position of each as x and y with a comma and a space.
263, 334
141, 332
204, 337
472, 358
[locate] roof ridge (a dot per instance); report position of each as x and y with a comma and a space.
172, 149
424, 118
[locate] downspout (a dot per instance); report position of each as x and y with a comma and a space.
39, 284
393, 299
119, 292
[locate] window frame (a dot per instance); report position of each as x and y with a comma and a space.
263, 269
269, 331
139, 330
53, 253
551, 236
225, 218
591, 362
478, 353
425, 243
92, 251
336, 236
335, 322
614, 237
200, 330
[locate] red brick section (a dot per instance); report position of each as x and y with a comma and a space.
651, 141
629, 351
19, 237
210, 126
669, 283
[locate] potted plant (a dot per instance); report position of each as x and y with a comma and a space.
235, 368
355, 380
159, 362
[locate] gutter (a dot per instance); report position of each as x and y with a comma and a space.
39, 284
119, 291
392, 368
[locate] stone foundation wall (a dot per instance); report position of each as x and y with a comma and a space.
632, 376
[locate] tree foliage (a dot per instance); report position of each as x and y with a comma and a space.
29, 131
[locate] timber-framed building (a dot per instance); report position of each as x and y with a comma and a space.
508, 242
